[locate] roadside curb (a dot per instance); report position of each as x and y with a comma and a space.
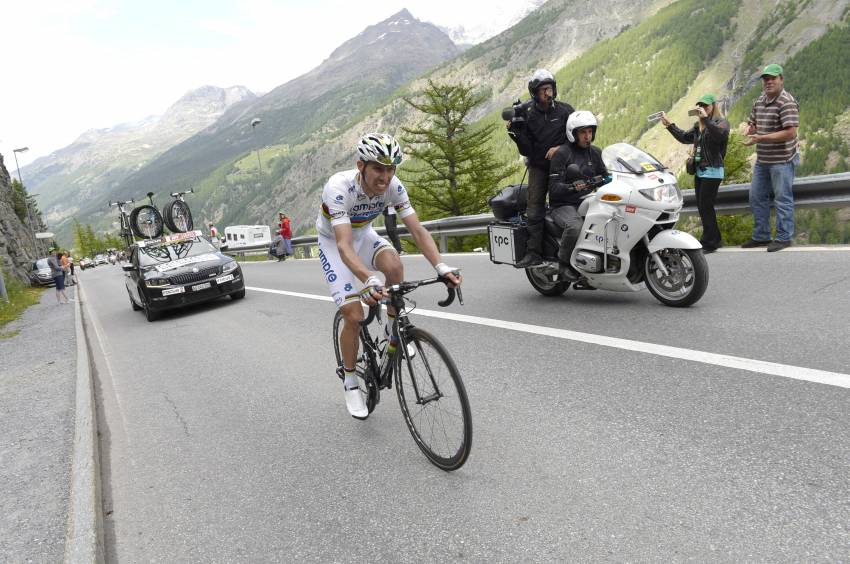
84, 537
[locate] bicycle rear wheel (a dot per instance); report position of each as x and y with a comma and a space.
365, 368
433, 400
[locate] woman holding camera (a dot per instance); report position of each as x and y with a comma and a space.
710, 136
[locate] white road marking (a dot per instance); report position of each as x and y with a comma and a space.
728, 361
103, 346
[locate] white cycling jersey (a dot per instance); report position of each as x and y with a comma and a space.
344, 201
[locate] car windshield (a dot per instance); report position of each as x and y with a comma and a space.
622, 157
41, 263
163, 253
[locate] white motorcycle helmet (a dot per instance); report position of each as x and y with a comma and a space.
578, 120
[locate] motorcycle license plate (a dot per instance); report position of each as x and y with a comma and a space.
507, 243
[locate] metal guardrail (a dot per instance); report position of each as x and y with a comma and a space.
822, 191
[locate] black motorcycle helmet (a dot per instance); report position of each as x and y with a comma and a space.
538, 79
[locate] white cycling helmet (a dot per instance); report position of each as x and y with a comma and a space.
538, 79
380, 148
578, 120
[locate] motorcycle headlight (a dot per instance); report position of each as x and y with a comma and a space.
668, 193
229, 267
155, 282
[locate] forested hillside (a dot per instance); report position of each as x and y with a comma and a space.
645, 68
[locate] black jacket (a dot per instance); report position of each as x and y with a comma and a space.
541, 131
589, 162
712, 144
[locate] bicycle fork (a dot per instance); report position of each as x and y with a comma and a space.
405, 358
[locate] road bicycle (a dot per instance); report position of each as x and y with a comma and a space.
176, 213
428, 385
124, 217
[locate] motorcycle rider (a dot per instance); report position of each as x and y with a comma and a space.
566, 191
538, 131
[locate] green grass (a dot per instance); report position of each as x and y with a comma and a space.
254, 258
20, 298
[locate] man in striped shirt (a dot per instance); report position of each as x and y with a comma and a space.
772, 128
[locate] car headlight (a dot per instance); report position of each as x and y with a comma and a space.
155, 282
229, 267
668, 193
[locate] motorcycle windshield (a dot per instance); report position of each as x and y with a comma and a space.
622, 157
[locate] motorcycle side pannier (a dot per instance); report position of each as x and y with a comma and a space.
508, 242
509, 202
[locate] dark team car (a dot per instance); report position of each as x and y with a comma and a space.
179, 270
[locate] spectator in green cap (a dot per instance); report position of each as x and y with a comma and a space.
710, 137
772, 128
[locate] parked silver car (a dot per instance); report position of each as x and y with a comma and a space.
40, 273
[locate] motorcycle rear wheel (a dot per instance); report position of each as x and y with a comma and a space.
546, 283
686, 280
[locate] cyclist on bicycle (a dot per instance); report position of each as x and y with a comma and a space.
350, 250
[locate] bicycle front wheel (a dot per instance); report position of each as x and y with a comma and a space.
433, 400
364, 368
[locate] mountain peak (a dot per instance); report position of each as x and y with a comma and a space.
401, 15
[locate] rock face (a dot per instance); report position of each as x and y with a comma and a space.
17, 251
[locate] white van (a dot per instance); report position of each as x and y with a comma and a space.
246, 237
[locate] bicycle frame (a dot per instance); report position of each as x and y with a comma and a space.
124, 217
384, 371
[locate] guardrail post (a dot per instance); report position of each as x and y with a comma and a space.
444, 243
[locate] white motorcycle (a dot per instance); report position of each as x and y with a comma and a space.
628, 241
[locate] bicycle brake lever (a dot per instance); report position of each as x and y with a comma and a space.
459, 295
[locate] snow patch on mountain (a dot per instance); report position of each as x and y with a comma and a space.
497, 19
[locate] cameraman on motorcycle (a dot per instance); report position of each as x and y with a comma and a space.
566, 190
537, 128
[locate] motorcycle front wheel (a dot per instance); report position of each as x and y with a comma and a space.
686, 278
545, 281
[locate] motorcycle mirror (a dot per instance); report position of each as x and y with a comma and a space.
574, 172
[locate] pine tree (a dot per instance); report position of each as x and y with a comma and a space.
453, 171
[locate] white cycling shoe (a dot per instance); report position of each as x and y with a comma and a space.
355, 404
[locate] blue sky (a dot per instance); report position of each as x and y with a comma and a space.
74, 65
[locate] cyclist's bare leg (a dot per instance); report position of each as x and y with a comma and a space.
349, 343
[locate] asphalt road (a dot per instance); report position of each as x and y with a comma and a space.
224, 435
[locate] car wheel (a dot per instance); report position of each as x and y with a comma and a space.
133, 303
150, 314
238, 295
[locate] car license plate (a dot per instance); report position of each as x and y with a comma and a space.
203, 286
223, 279
170, 291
